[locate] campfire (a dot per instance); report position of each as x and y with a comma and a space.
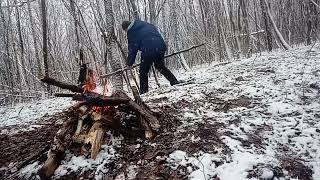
96, 112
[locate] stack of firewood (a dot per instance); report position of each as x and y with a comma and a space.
90, 119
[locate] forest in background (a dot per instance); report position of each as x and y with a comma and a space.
53, 38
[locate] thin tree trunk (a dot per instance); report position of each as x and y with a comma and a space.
246, 28
7, 57
22, 51
45, 41
112, 50
256, 25
284, 44
236, 33
135, 9
309, 21
39, 66
266, 24
76, 28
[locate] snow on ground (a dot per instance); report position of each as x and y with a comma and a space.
27, 113
80, 163
283, 114
263, 112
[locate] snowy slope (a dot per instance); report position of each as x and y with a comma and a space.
277, 127
257, 118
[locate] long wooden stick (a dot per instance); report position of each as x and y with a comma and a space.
167, 56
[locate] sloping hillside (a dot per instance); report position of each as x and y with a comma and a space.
257, 118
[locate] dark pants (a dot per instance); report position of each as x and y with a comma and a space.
145, 66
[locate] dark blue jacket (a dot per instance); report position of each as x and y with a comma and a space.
145, 37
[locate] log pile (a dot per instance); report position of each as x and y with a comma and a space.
90, 119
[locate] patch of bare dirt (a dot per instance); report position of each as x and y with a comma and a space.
296, 168
257, 171
225, 106
22, 147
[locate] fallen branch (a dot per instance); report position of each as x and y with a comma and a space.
167, 56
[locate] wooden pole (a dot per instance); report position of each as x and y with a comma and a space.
167, 56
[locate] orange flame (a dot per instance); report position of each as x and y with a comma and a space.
91, 86
91, 81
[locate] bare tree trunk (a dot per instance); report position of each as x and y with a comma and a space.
236, 33
266, 24
135, 9
309, 21
284, 44
45, 41
14, 54
22, 51
39, 66
256, 25
152, 7
246, 29
112, 51
8, 66
175, 28
76, 29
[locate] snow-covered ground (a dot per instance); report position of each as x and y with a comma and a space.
283, 115
27, 113
261, 116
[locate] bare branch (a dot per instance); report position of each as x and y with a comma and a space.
314, 3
